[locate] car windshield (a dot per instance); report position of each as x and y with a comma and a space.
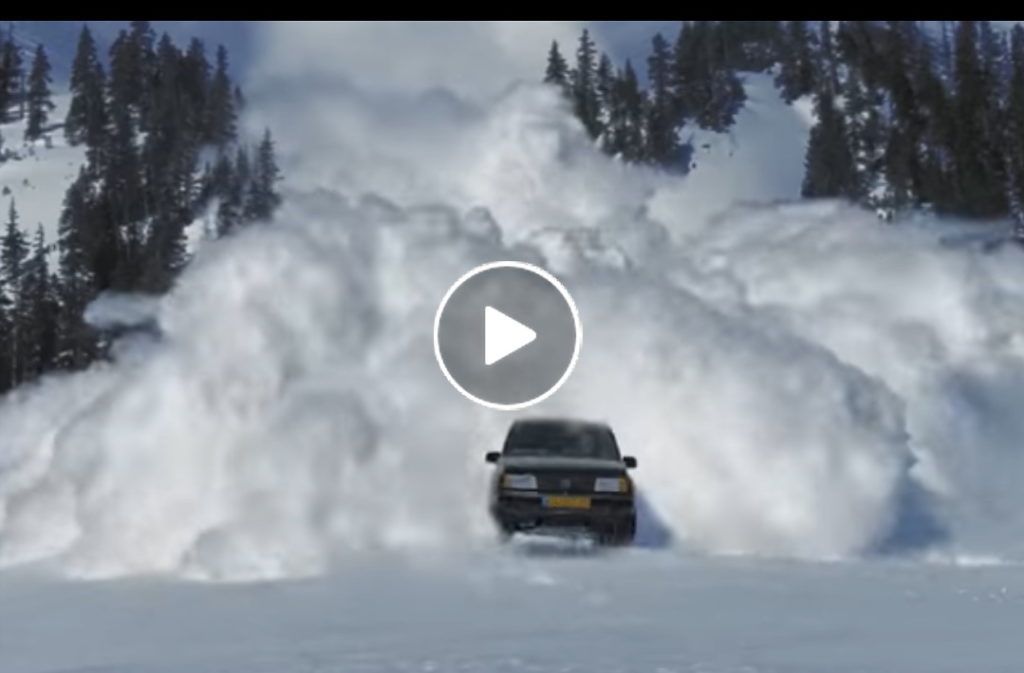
558, 439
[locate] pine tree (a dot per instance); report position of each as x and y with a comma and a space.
13, 248
1015, 102
143, 70
725, 100
222, 177
662, 143
87, 114
557, 72
605, 86
866, 133
13, 76
904, 170
6, 332
122, 204
705, 59
79, 251
584, 85
996, 72
76, 239
39, 318
899, 164
685, 74
39, 101
750, 45
899, 40
263, 198
13, 255
124, 84
1014, 132
195, 73
5, 80
614, 116
230, 212
11, 79
630, 135
829, 164
221, 115
170, 155
5, 340
132, 67
945, 63
859, 44
995, 61
169, 125
933, 128
827, 78
165, 248
724, 94
979, 190
796, 73
705, 87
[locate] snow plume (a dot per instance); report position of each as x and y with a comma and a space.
795, 379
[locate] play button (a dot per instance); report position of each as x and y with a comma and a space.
507, 335
503, 335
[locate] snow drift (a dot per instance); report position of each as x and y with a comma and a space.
797, 379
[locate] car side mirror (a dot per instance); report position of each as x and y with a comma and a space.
492, 456
630, 462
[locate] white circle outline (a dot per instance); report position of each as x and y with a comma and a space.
561, 290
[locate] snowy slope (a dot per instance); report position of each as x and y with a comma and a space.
37, 174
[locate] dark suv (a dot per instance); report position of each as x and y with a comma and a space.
562, 475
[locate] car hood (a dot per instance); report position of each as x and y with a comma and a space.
544, 463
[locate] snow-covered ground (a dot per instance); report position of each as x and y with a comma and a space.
824, 407
543, 609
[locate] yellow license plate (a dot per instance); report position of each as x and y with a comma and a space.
567, 501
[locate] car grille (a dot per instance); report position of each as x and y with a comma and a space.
555, 482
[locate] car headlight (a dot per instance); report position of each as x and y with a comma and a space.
611, 485
522, 482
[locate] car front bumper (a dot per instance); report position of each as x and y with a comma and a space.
525, 511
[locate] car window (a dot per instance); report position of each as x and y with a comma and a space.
559, 440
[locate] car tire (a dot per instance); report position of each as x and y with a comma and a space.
619, 534
628, 531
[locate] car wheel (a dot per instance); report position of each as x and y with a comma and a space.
628, 531
618, 534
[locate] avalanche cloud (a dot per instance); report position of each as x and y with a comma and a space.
797, 379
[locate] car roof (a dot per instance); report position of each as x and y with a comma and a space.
572, 424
